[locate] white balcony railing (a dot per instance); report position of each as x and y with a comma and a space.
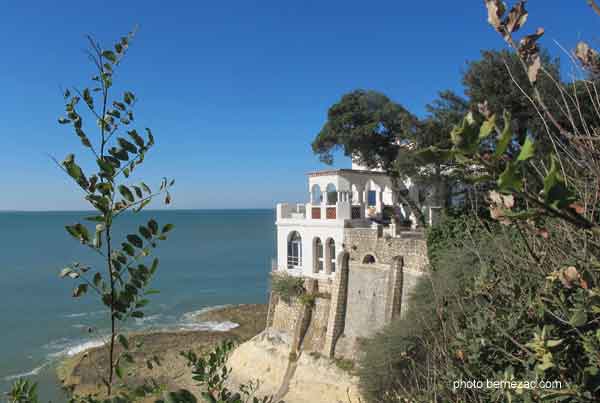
338, 211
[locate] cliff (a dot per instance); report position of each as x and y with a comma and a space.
306, 378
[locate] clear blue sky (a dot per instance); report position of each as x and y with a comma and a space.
234, 90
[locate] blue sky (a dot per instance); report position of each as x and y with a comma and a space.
234, 90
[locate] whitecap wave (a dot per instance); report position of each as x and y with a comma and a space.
75, 348
83, 314
209, 326
33, 372
190, 316
146, 319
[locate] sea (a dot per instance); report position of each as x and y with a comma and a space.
211, 258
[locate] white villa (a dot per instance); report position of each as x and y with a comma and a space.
310, 236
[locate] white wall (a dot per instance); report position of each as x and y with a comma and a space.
308, 232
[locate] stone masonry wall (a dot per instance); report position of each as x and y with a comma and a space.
362, 241
360, 299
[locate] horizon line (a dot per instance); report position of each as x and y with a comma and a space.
154, 210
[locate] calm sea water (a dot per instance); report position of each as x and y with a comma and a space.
213, 257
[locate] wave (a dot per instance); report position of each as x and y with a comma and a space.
190, 316
150, 318
72, 348
189, 321
33, 372
83, 314
209, 326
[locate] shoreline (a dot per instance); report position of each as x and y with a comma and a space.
81, 373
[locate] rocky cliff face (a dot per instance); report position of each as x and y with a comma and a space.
303, 379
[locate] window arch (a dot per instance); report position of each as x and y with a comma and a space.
369, 259
331, 194
318, 263
294, 247
330, 255
316, 194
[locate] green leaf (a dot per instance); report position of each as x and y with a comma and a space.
151, 292
145, 187
465, 137
63, 121
138, 191
87, 97
579, 318
119, 371
136, 137
154, 265
119, 153
107, 169
71, 229
126, 193
110, 55
556, 193
142, 303
72, 168
127, 145
527, 150
123, 341
487, 127
167, 228
97, 279
128, 97
153, 225
150, 137
80, 290
119, 105
127, 248
135, 240
510, 179
142, 205
137, 314
145, 232
504, 140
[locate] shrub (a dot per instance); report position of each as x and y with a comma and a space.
287, 287
344, 364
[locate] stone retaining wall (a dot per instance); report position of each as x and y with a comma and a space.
362, 297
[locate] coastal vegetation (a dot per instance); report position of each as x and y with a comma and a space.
513, 294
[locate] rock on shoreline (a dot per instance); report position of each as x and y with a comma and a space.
81, 374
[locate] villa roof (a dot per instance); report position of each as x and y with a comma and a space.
345, 171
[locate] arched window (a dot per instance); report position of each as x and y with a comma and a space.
316, 195
330, 255
331, 194
294, 247
369, 259
372, 198
318, 255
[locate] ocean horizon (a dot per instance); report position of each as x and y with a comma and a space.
214, 257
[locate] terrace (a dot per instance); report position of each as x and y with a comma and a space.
341, 195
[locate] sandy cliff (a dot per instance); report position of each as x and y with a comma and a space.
309, 379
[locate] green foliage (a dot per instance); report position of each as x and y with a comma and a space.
511, 163
490, 79
490, 311
366, 125
345, 364
211, 373
117, 150
23, 391
287, 287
